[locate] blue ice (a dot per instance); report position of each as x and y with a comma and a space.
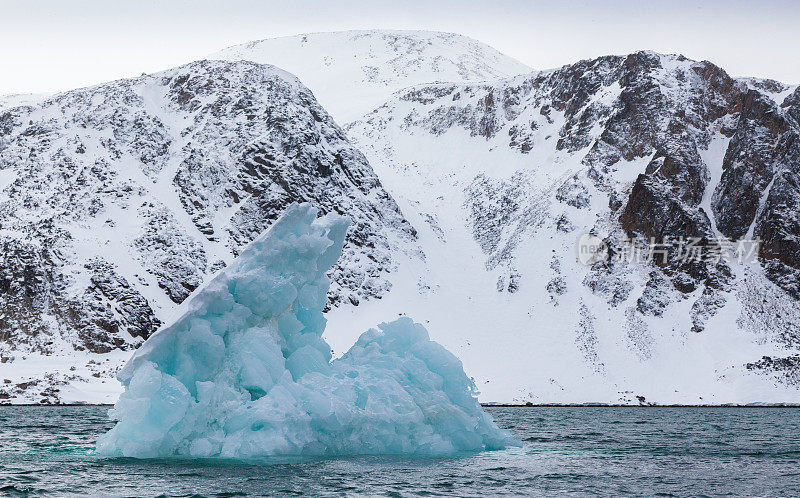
243, 372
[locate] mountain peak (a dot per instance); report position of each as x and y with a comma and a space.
353, 72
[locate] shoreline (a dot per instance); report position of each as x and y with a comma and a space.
647, 405
496, 405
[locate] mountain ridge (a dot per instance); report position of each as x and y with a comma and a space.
494, 181
618, 146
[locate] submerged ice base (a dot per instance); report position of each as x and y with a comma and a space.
243, 372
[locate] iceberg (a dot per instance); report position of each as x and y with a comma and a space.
243, 371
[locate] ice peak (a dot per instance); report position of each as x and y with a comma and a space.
243, 372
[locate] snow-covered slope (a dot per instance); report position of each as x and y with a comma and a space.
352, 72
502, 179
15, 100
118, 200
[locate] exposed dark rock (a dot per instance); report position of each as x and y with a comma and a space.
786, 370
574, 193
778, 229
127, 189
758, 147
654, 211
656, 296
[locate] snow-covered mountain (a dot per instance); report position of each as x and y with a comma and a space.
502, 179
352, 72
117, 201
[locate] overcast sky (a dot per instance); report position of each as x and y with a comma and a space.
58, 45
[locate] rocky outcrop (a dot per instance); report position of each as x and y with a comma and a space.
758, 147
653, 210
632, 151
785, 370
125, 197
778, 229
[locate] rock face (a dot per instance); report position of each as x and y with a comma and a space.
118, 200
633, 149
778, 228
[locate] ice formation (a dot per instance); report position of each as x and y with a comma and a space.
243, 372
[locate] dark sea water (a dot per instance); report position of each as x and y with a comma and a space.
576, 451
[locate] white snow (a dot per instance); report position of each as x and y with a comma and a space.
80, 376
353, 72
15, 100
713, 157
7, 177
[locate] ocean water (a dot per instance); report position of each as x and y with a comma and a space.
578, 451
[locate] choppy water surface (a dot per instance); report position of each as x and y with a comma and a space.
672, 451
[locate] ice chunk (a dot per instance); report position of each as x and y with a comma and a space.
243, 372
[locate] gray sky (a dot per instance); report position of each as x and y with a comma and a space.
58, 45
